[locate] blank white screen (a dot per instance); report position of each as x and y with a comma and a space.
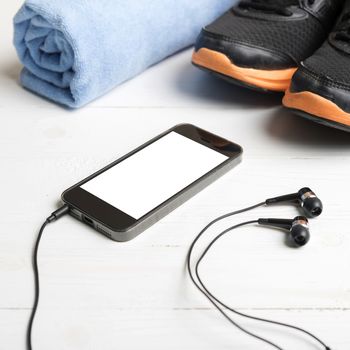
151, 176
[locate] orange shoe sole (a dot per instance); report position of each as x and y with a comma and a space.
272, 80
316, 106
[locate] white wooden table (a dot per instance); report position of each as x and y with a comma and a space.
98, 294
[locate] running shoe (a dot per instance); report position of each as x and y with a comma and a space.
320, 88
260, 43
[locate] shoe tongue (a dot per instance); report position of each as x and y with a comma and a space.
340, 36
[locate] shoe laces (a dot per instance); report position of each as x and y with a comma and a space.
342, 30
280, 7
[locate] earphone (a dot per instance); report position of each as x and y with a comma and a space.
298, 228
298, 233
305, 198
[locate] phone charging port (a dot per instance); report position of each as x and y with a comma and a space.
88, 221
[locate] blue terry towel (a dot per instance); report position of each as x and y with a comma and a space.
74, 51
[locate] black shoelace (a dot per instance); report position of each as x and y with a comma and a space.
280, 7
342, 32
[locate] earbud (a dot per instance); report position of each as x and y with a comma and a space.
298, 228
307, 199
311, 204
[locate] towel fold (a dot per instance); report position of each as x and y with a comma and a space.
74, 51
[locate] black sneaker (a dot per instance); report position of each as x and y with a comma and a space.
320, 89
260, 43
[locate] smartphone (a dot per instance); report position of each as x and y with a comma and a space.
134, 192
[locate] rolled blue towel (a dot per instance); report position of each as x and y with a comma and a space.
74, 51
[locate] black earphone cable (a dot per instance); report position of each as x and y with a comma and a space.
211, 295
240, 211
224, 313
190, 250
53, 217
36, 286
189, 255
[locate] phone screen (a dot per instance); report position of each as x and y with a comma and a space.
149, 177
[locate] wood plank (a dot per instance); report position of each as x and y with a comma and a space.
109, 329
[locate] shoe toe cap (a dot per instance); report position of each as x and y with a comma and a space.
245, 54
306, 79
